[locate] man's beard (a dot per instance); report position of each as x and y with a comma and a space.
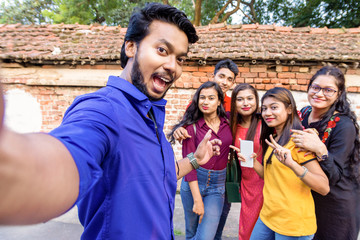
138, 81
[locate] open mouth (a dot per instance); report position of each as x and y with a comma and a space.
160, 82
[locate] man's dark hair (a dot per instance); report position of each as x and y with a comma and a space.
227, 63
141, 19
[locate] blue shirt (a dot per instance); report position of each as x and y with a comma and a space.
127, 176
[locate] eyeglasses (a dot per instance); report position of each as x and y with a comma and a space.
329, 92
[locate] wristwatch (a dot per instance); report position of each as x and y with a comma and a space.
322, 158
193, 160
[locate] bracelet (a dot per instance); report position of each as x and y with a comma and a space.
305, 172
193, 160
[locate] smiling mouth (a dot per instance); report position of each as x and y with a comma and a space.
160, 82
246, 109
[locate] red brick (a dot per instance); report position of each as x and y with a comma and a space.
239, 80
258, 80
98, 67
286, 75
302, 82
266, 81
207, 69
260, 86
352, 89
275, 80
204, 79
199, 74
271, 74
258, 69
285, 68
196, 85
295, 69
303, 75
113, 67
188, 85
83, 67
303, 88
263, 75
269, 86
286, 86
179, 84
244, 69
249, 80
249, 75
295, 87
190, 69
285, 81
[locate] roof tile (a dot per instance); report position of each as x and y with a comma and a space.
249, 41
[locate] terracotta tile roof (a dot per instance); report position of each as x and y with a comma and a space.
88, 44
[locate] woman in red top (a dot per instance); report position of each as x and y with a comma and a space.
246, 125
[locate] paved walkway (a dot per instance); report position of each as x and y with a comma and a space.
68, 227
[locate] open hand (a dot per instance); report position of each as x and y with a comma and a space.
307, 140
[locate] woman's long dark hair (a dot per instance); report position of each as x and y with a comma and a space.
193, 113
341, 105
236, 118
292, 122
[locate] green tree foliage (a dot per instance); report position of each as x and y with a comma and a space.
109, 12
314, 13
25, 12
298, 13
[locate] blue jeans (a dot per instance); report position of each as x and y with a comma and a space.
224, 215
212, 189
262, 232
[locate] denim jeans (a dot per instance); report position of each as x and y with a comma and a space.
262, 232
212, 189
224, 215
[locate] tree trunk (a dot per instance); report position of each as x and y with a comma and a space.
197, 12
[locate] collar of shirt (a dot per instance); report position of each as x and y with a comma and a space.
129, 89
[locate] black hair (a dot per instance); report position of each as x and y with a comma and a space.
292, 122
236, 118
227, 63
341, 105
193, 113
141, 19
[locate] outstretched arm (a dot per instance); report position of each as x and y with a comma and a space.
38, 177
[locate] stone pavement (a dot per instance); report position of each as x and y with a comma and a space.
68, 227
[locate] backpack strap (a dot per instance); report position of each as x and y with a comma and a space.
305, 111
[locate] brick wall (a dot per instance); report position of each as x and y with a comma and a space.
55, 87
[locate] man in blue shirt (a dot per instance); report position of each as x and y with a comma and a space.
110, 155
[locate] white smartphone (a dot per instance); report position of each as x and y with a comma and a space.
247, 148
